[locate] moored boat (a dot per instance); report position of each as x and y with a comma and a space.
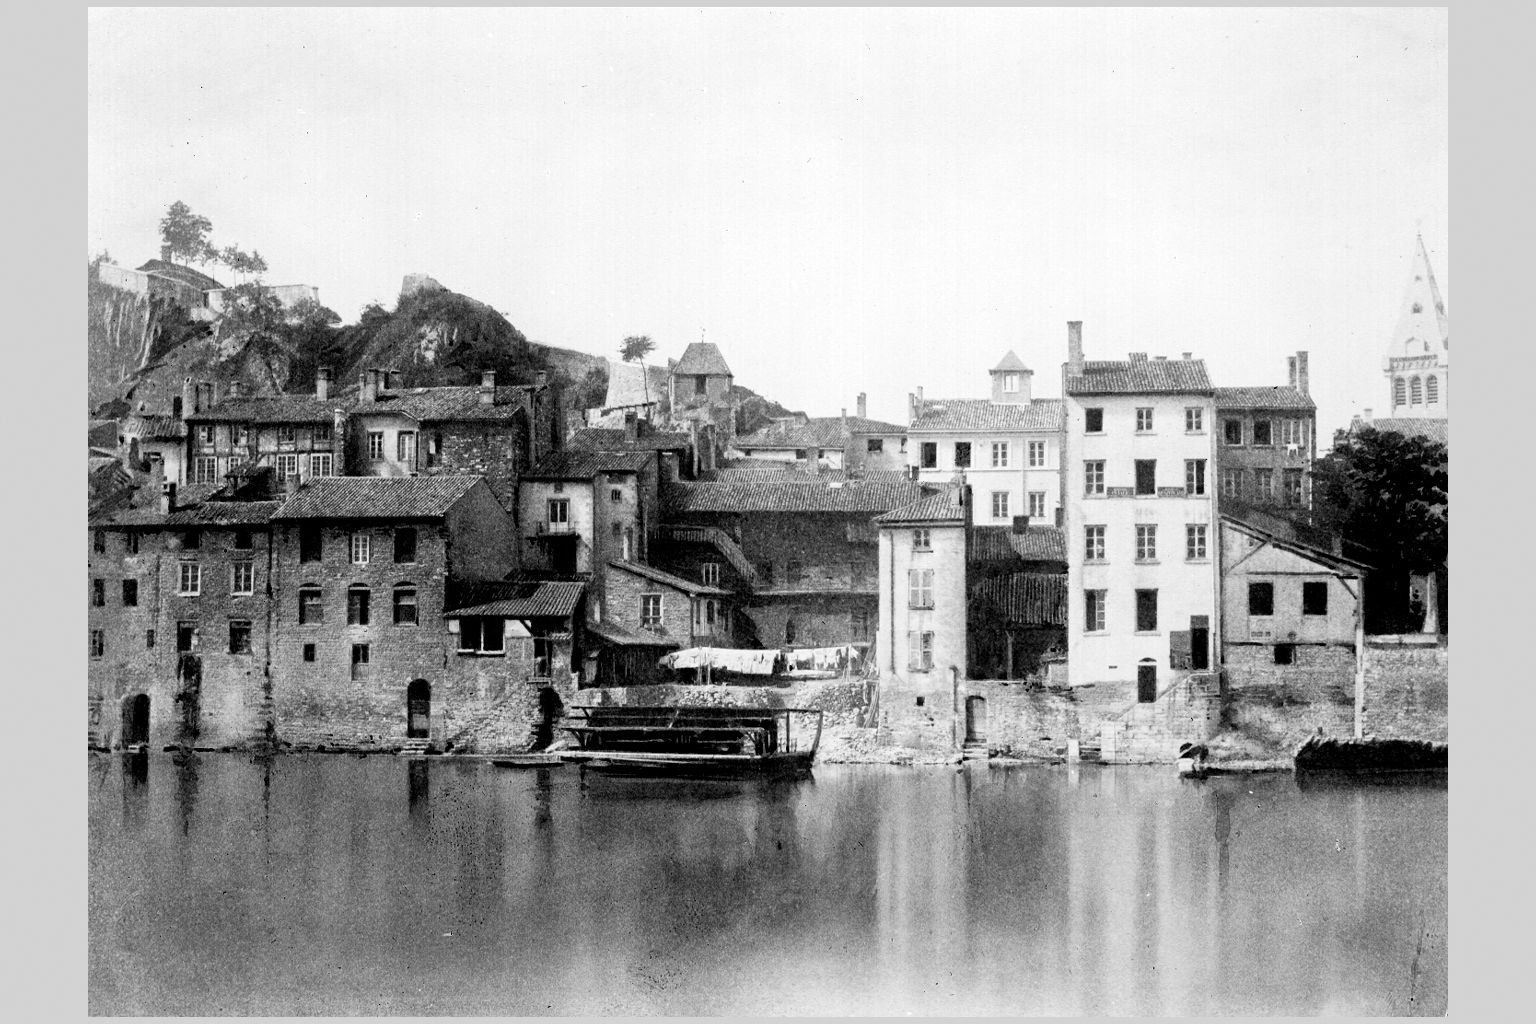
1372, 755
694, 742
535, 760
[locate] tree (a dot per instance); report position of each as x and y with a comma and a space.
186, 233
635, 348
1387, 494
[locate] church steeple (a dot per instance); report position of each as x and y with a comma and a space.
1417, 365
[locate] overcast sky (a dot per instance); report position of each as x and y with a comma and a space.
846, 201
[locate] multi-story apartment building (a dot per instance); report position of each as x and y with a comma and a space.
577, 511
1008, 446
1267, 443
291, 434
1141, 521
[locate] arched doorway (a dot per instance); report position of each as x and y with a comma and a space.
418, 709
975, 719
135, 719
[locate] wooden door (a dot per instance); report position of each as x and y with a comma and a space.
1146, 683
136, 720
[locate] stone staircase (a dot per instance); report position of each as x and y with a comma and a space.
1188, 711
974, 750
415, 747
721, 541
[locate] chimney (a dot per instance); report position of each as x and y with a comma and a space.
1074, 347
1021, 524
1301, 373
813, 461
1162, 359
487, 387
165, 253
188, 397
380, 381
323, 383
911, 408
541, 379
631, 424
845, 421
1290, 367
290, 485
167, 497
863, 406
1188, 356
1367, 414
366, 388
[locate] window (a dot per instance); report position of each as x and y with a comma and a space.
358, 546
1094, 423
1146, 542
1290, 432
922, 539
615, 495
1093, 543
800, 454
999, 454
1036, 454
130, 593
321, 464
1093, 477
205, 434
205, 469
876, 445
1146, 611
928, 453
1399, 391
376, 445
309, 543
1194, 541
701, 385
405, 447
243, 539
650, 611
99, 542
1232, 431
999, 504
1285, 654
239, 435
405, 606
1263, 483
1432, 388
309, 652
405, 545
1194, 477
322, 433
1093, 609
286, 465
861, 623
131, 542
962, 454
1143, 420
186, 636
920, 651
1314, 598
191, 539
1194, 420
98, 593
920, 588
1146, 476
559, 510
359, 660
311, 610
1010, 383
288, 434
1037, 504
1261, 432
357, 606
239, 636
1415, 391
242, 578
149, 639
1232, 483
1261, 599
709, 572
1293, 487
190, 582
98, 643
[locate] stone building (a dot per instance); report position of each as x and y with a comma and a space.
1141, 522
647, 611
292, 434
1267, 444
1008, 446
362, 571
699, 389
850, 443
161, 440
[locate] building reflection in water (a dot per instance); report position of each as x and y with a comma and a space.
418, 782
187, 768
135, 771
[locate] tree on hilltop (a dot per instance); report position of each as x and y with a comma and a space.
186, 233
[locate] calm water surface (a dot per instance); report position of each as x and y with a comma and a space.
337, 884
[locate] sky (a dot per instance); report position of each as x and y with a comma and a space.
844, 201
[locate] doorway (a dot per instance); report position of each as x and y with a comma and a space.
1146, 683
1199, 642
135, 720
975, 719
418, 709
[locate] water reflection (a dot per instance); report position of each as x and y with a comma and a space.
1031, 891
186, 764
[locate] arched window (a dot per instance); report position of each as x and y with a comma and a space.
1432, 388
1415, 391
1399, 392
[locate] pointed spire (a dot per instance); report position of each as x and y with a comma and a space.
1423, 327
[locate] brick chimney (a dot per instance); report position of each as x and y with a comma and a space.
845, 421
487, 387
367, 389
1074, 348
1301, 373
863, 406
323, 383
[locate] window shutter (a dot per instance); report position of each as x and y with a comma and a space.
1179, 649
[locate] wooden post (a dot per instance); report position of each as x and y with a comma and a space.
1008, 634
1359, 657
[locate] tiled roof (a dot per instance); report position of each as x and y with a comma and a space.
1429, 429
1141, 376
786, 495
1024, 598
177, 272
815, 432
604, 439
1285, 397
274, 409
1011, 361
627, 386
1000, 543
98, 463
225, 513
748, 470
526, 600
623, 636
583, 465
666, 578
983, 414
939, 507
154, 427
447, 403
377, 497
702, 358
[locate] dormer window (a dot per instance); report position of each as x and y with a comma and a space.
1010, 383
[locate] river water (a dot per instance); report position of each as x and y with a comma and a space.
336, 884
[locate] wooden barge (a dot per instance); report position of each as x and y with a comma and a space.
694, 742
